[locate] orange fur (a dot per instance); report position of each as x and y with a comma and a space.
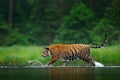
69, 51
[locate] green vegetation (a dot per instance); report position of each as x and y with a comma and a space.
43, 22
107, 55
20, 55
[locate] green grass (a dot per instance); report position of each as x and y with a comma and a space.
20, 55
107, 55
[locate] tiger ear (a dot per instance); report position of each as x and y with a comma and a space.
46, 48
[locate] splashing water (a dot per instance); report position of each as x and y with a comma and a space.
38, 63
34, 63
97, 64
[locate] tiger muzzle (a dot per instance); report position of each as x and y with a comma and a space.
43, 55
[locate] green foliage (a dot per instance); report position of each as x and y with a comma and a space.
4, 34
2, 20
112, 13
42, 22
11, 36
73, 29
101, 29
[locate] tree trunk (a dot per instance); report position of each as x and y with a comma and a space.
119, 38
10, 14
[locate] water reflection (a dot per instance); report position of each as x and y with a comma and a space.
70, 73
60, 73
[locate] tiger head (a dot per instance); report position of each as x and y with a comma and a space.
46, 52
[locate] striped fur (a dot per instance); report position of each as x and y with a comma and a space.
70, 52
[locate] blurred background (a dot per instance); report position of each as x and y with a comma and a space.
44, 22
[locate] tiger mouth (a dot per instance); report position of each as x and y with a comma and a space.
43, 56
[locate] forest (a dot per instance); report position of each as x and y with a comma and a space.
44, 22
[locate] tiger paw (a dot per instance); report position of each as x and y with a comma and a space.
45, 65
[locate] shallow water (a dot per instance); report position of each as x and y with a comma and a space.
59, 73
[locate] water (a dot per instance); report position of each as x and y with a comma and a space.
59, 73
98, 64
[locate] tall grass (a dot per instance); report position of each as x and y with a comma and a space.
107, 55
20, 55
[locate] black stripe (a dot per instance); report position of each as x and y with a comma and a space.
76, 56
72, 56
66, 57
69, 57
88, 53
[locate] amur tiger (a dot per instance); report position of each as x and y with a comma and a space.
70, 52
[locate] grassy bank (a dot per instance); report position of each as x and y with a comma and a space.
107, 55
20, 55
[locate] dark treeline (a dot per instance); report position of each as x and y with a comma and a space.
42, 22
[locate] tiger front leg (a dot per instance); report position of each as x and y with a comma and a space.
91, 61
51, 61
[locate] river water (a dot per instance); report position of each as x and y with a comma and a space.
59, 73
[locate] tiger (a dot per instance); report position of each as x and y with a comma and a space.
71, 52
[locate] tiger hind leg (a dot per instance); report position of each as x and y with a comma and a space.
64, 63
91, 61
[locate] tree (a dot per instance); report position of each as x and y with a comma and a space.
76, 26
109, 23
10, 12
